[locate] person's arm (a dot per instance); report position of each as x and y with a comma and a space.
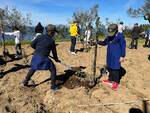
123, 28
9, 33
33, 43
54, 52
103, 43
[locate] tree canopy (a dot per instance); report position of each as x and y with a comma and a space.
143, 11
13, 17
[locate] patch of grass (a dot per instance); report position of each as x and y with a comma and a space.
12, 42
141, 41
62, 39
26, 42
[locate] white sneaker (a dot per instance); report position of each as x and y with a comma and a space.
73, 53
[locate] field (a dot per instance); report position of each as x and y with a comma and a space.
73, 96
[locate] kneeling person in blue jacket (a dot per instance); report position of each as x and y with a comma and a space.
116, 51
43, 44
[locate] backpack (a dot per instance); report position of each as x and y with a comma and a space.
73, 29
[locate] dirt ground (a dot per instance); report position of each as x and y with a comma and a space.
74, 96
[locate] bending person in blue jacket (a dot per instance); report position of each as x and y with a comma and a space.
43, 45
116, 52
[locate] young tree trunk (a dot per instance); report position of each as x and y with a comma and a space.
94, 60
95, 50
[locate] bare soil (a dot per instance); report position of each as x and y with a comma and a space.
74, 95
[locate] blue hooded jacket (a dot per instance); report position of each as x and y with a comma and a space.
116, 48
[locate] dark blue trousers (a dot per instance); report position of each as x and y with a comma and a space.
73, 44
115, 75
52, 69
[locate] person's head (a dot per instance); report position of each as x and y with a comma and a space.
51, 30
39, 28
136, 24
76, 22
15, 28
121, 23
112, 29
89, 27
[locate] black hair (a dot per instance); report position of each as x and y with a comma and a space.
15, 28
121, 23
39, 28
112, 28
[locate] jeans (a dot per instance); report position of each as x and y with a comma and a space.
134, 43
73, 43
18, 49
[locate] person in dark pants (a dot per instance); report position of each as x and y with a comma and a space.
17, 34
18, 49
112, 72
147, 40
73, 43
74, 32
135, 36
43, 44
116, 52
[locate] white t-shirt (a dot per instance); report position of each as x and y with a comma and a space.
87, 35
121, 28
16, 34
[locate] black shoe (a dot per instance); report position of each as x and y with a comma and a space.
149, 57
54, 88
130, 47
1, 74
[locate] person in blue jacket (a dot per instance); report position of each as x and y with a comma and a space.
43, 45
147, 36
116, 52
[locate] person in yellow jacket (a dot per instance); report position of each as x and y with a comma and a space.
74, 32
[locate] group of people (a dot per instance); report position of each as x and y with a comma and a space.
75, 33
135, 34
116, 50
44, 43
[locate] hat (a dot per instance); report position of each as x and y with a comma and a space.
39, 28
112, 27
51, 28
